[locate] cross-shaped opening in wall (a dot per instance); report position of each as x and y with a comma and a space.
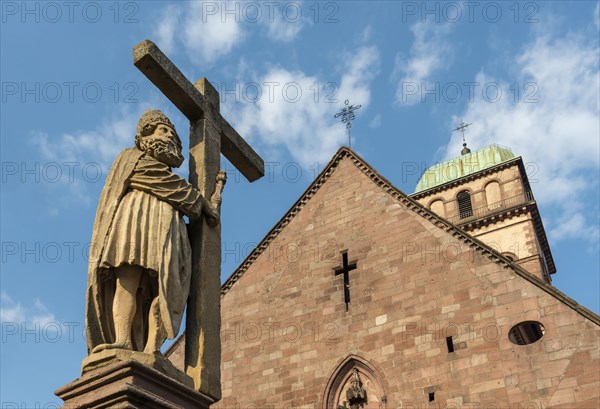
345, 269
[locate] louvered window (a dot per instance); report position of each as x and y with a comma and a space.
526, 332
465, 208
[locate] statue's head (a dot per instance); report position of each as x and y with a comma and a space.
157, 137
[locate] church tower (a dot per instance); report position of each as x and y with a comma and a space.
487, 194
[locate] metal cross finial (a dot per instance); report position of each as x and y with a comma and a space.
461, 127
347, 114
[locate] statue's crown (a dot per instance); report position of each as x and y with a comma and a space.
150, 118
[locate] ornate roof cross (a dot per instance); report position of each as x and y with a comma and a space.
210, 135
345, 269
347, 115
462, 127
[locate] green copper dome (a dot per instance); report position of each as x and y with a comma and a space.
463, 165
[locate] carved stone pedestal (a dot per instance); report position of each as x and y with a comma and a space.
130, 384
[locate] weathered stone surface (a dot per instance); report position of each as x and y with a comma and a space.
210, 135
289, 342
150, 60
138, 383
203, 352
140, 267
158, 362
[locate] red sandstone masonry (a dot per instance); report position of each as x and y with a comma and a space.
285, 328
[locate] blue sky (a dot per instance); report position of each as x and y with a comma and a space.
526, 74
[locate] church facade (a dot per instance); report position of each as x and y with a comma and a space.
364, 297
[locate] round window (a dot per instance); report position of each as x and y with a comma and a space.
526, 332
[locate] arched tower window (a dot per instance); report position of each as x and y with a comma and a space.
437, 206
493, 195
465, 208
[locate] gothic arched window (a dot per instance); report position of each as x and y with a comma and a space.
354, 384
465, 208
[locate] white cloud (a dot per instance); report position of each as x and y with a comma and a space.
207, 30
41, 315
9, 310
297, 115
366, 34
361, 69
167, 26
210, 30
375, 122
575, 226
557, 132
102, 144
207, 35
34, 316
285, 22
429, 52
89, 153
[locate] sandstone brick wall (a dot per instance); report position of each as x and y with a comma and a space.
515, 237
285, 327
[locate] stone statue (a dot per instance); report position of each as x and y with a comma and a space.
140, 259
356, 394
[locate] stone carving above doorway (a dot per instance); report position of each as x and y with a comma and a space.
354, 384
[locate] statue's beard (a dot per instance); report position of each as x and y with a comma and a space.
163, 150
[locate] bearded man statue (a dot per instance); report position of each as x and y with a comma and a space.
140, 257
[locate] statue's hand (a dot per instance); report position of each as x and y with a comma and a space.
212, 216
211, 209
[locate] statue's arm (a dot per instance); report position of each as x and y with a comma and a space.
157, 179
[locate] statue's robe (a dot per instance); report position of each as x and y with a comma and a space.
139, 221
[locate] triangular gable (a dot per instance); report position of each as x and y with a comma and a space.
345, 153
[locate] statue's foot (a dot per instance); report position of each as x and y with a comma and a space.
116, 345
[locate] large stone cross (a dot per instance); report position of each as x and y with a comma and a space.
210, 135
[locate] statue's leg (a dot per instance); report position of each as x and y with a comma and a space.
139, 322
156, 333
124, 306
